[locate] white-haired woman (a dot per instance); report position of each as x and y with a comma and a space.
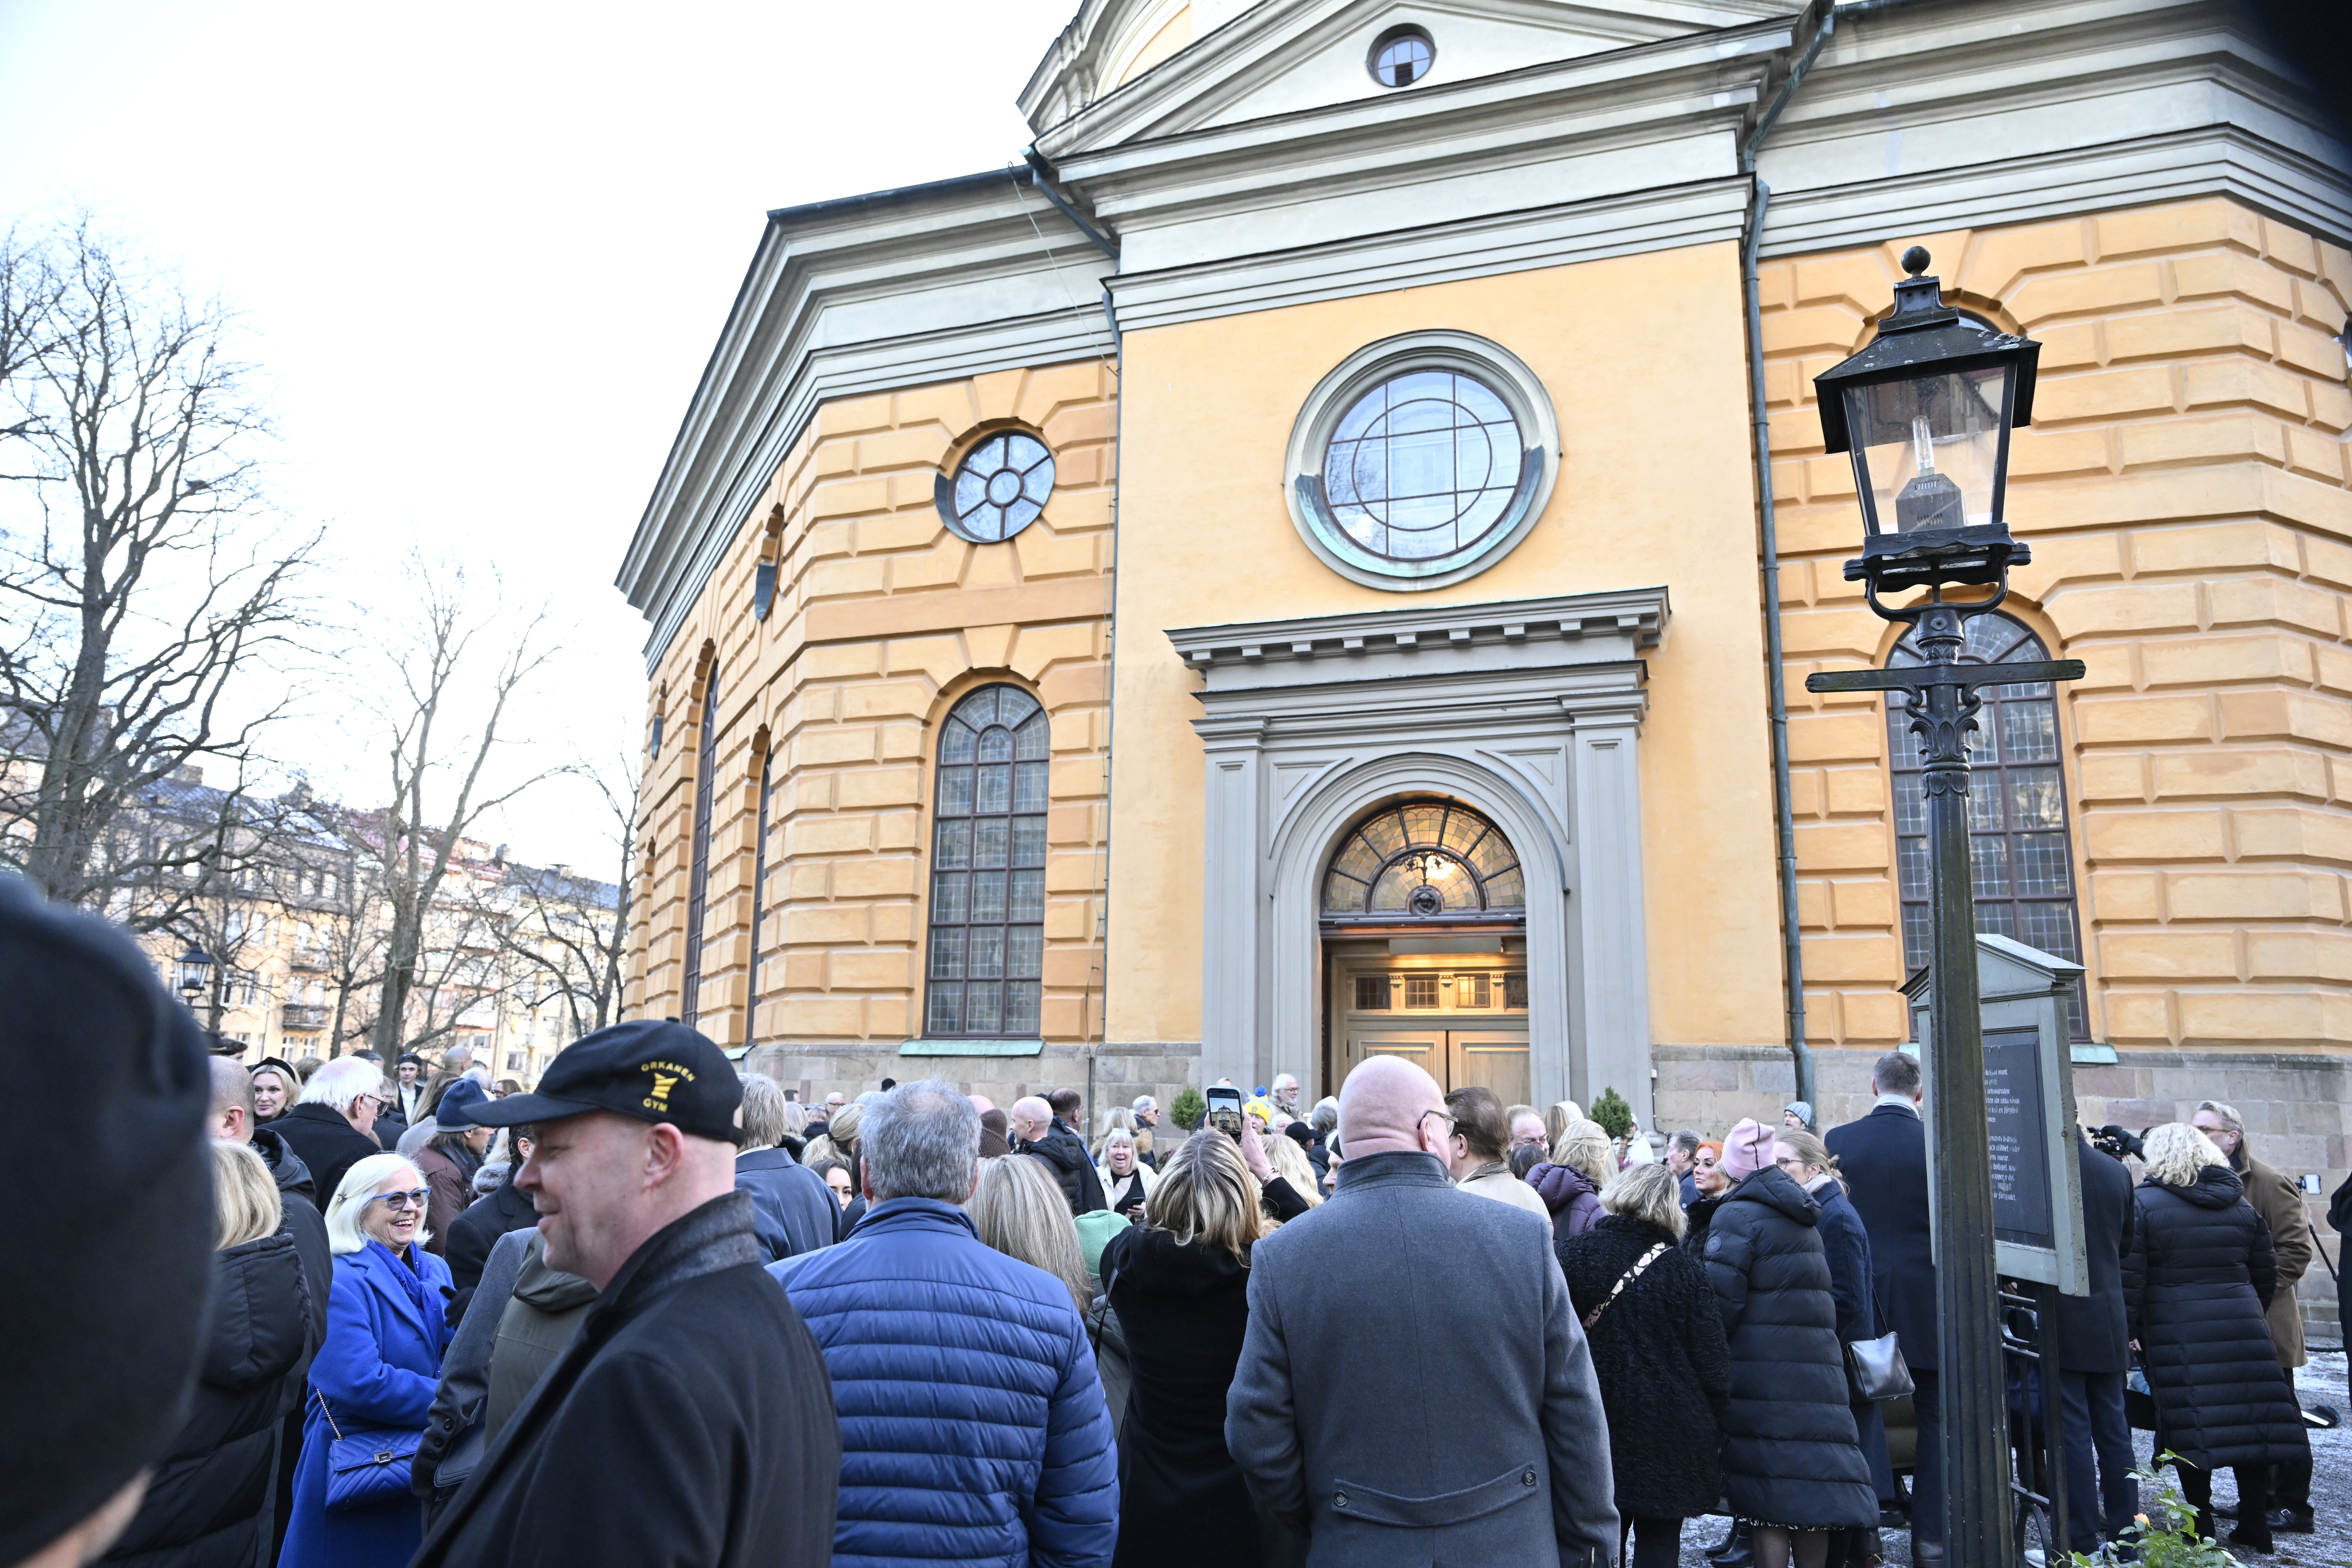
386, 1333
1180, 1284
1127, 1182
2200, 1273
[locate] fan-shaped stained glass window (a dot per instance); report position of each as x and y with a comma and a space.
1426, 861
999, 489
2021, 868
988, 868
1424, 466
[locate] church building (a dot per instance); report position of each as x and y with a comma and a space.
1323, 558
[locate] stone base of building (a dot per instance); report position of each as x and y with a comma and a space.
1107, 1074
2294, 1107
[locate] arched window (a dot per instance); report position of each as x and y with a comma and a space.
697, 879
758, 895
2021, 864
1426, 861
988, 868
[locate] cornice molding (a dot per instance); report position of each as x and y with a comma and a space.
1630, 618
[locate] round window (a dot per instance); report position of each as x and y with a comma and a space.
1403, 56
1422, 460
1424, 466
999, 489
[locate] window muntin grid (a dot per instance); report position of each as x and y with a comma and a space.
1424, 466
1001, 487
2020, 861
986, 963
698, 882
1380, 869
1402, 56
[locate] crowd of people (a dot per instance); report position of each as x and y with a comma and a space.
657, 1312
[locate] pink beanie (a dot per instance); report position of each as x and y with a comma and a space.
1747, 1150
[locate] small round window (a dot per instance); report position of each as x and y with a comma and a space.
1403, 56
999, 489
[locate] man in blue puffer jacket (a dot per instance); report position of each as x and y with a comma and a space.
972, 1422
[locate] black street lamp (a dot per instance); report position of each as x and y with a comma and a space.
195, 974
1927, 409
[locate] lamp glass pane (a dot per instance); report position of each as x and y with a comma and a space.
1927, 448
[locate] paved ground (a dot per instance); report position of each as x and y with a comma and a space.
2321, 1383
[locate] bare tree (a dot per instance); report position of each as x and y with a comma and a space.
443, 707
569, 934
138, 581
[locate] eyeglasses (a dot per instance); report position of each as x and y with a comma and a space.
1445, 1115
416, 1200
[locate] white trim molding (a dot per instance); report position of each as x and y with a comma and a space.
1534, 463
1528, 711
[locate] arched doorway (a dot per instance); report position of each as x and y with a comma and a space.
1424, 921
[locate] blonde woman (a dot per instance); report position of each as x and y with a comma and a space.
1571, 1182
1126, 1181
2200, 1273
1290, 1162
1180, 1284
206, 1500
386, 1334
1018, 1209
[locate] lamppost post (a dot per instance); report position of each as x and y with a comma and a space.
1926, 410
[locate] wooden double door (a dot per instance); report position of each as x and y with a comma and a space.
1462, 1025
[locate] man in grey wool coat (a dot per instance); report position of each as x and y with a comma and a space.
1414, 1387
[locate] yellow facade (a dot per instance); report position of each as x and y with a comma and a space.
1655, 488
2183, 488
881, 619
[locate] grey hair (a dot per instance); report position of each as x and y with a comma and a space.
1325, 1118
2228, 1113
2178, 1153
1649, 1194
343, 1083
763, 1112
1685, 1141
1894, 1073
1144, 1102
920, 1141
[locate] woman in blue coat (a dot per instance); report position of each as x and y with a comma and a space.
386, 1331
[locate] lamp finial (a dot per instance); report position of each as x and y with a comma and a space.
1915, 260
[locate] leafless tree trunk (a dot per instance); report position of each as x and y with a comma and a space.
561, 934
137, 581
443, 707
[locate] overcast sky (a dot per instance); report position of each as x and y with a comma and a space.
484, 249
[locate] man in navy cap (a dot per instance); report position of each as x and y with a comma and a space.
691, 1420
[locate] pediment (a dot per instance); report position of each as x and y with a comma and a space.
1285, 57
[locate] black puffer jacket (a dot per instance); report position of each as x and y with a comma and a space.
1073, 1168
1791, 1455
1664, 1370
209, 1496
2197, 1278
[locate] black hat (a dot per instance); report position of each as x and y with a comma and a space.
114, 1221
281, 1063
454, 1111
656, 1070
406, 1057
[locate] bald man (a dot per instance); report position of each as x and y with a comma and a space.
1035, 1131
1400, 1296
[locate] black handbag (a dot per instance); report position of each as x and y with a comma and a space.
1875, 1369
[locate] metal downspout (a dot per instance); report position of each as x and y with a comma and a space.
1751, 240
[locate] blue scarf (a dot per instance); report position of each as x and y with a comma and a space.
405, 1270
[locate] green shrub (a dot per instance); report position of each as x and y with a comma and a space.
1616, 1117
2166, 1535
1188, 1110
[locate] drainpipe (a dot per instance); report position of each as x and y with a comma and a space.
1751, 238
